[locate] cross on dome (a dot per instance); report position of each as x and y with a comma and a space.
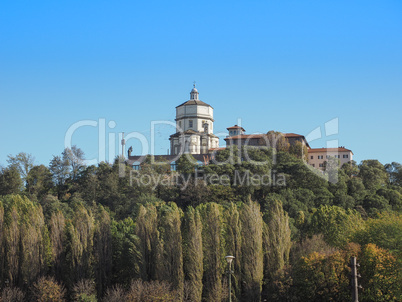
194, 93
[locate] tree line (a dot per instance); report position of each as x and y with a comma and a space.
83, 233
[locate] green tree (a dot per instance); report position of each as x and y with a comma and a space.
394, 171
336, 224
23, 162
149, 242
103, 251
186, 164
276, 244
172, 253
193, 254
212, 250
373, 174
27, 243
251, 251
57, 239
39, 181
385, 231
74, 158
79, 246
59, 169
10, 181
126, 255
233, 244
2, 241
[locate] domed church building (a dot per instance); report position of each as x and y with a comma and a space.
194, 126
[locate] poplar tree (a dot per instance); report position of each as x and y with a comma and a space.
211, 241
27, 246
34, 251
12, 246
103, 251
57, 238
172, 255
276, 243
148, 241
252, 255
79, 246
193, 255
233, 242
126, 257
2, 256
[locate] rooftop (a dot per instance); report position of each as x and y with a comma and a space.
329, 150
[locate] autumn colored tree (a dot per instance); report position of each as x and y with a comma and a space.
84, 291
46, 289
321, 277
275, 140
381, 275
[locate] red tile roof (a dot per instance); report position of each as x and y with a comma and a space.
236, 127
244, 136
326, 150
292, 135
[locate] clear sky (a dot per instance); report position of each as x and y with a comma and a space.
288, 66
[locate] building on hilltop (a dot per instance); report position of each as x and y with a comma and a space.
194, 135
318, 157
238, 137
195, 127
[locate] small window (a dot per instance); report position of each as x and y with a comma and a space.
180, 124
190, 123
313, 165
327, 156
312, 158
321, 165
345, 156
320, 156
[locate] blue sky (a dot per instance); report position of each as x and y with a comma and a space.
289, 66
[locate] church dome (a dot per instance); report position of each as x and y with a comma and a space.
194, 90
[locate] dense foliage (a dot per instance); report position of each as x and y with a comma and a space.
70, 232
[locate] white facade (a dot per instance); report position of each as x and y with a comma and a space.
195, 126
